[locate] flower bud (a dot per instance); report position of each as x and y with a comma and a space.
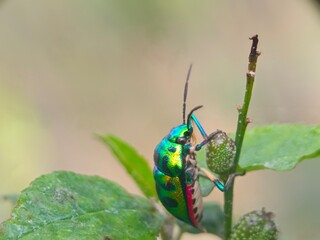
256, 225
220, 152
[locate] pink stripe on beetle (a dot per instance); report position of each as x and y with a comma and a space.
190, 207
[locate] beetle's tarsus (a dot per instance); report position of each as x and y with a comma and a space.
208, 139
231, 178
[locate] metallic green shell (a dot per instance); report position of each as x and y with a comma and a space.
171, 194
176, 178
168, 158
169, 155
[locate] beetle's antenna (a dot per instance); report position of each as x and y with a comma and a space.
185, 95
190, 114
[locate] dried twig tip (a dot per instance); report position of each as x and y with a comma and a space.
253, 51
254, 37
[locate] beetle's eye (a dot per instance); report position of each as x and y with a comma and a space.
181, 140
186, 133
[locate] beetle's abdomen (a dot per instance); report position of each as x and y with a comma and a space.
183, 200
168, 157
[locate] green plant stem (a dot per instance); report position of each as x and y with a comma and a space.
241, 129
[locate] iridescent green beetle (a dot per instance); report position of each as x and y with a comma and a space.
176, 172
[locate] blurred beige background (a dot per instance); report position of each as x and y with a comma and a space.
71, 69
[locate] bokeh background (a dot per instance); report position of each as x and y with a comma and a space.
73, 69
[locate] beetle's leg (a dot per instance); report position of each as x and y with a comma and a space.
212, 178
196, 121
207, 139
222, 187
203, 133
231, 178
191, 160
204, 142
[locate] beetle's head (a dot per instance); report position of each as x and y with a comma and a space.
181, 134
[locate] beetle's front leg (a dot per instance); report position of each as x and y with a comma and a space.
204, 142
222, 187
207, 139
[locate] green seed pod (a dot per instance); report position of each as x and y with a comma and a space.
220, 152
256, 225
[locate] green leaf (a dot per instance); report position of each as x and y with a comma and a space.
135, 164
213, 220
65, 205
206, 186
279, 147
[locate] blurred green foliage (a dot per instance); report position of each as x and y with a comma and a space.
71, 68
